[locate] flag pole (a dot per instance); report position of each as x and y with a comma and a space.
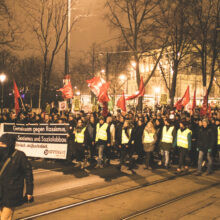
22, 103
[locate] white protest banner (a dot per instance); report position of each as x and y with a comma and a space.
40, 140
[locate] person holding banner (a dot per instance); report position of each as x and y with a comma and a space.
14, 169
71, 138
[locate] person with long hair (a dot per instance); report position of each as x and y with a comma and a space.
149, 139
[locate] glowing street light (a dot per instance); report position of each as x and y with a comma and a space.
157, 90
122, 77
133, 63
78, 93
2, 79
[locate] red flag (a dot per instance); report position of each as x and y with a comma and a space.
133, 96
16, 96
100, 88
67, 91
178, 105
141, 87
186, 97
95, 84
138, 93
203, 110
103, 93
194, 101
183, 101
121, 103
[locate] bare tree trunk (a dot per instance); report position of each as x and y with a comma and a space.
40, 90
173, 86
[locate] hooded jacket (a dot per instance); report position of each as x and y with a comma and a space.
17, 171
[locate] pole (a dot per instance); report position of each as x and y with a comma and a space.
67, 52
2, 100
106, 68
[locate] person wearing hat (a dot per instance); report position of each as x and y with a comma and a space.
102, 139
14, 169
205, 145
183, 141
167, 139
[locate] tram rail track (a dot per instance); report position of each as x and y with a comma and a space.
173, 200
62, 208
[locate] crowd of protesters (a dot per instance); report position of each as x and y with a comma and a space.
157, 138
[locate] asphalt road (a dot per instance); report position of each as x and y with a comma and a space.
57, 185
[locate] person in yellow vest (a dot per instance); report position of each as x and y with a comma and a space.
102, 139
183, 141
123, 141
218, 137
166, 143
149, 139
109, 149
79, 145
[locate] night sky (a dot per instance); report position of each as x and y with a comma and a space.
92, 28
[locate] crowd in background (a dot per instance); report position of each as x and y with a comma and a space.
161, 137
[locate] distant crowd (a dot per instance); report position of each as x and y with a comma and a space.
157, 138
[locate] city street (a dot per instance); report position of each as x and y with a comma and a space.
109, 193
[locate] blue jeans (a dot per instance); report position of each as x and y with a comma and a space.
209, 157
100, 153
165, 157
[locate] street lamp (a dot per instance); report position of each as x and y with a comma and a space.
2, 79
78, 93
67, 50
122, 77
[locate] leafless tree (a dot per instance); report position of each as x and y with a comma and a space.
205, 26
173, 20
9, 30
48, 21
135, 19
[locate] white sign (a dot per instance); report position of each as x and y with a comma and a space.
62, 106
53, 151
40, 140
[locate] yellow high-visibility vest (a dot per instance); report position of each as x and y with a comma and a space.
79, 136
218, 135
167, 136
182, 140
148, 137
101, 132
124, 138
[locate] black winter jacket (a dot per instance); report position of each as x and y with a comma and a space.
12, 181
205, 139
